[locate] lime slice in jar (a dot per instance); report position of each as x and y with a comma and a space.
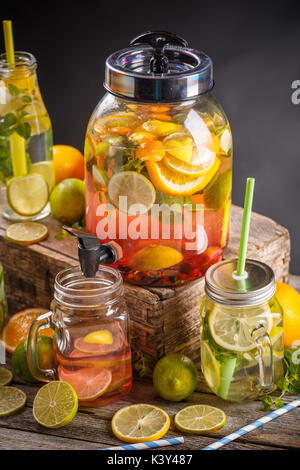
99, 176
135, 187
231, 328
46, 170
27, 195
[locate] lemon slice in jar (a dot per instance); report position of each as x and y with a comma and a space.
210, 366
27, 195
231, 328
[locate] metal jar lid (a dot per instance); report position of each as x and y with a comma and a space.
158, 67
223, 286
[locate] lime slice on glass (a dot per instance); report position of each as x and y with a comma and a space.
135, 187
6, 376
140, 423
231, 327
26, 233
27, 195
55, 404
200, 419
46, 170
210, 366
11, 400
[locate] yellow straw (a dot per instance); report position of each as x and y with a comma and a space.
9, 42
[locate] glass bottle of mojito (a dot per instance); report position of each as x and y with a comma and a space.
241, 331
26, 169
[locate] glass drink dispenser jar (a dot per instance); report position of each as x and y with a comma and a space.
158, 159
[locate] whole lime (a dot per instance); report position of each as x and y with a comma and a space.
67, 201
175, 377
45, 358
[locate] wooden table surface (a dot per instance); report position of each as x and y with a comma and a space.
90, 429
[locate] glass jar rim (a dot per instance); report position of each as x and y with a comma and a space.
22, 58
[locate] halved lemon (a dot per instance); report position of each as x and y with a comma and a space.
231, 328
46, 170
135, 187
200, 419
178, 184
26, 233
140, 423
210, 366
27, 195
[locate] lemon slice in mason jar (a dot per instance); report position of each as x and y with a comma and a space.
46, 170
231, 327
210, 366
27, 195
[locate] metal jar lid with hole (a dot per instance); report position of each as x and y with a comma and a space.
223, 286
158, 67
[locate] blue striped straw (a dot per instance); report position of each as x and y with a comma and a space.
256, 424
149, 445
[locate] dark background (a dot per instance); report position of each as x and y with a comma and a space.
255, 47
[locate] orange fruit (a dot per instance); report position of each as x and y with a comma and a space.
289, 300
17, 328
68, 162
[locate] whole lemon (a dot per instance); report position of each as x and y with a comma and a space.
289, 300
67, 201
175, 377
68, 162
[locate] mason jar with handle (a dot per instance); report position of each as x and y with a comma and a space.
241, 331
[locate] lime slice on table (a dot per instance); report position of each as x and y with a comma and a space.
26, 233
11, 400
231, 328
200, 419
6, 376
27, 195
210, 366
46, 170
140, 423
137, 188
55, 404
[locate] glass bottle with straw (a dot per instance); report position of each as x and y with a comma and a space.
241, 323
26, 168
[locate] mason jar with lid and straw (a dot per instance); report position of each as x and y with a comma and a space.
241, 324
26, 168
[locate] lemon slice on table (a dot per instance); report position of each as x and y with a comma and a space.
210, 366
135, 187
27, 195
231, 327
6, 376
26, 233
11, 400
55, 404
177, 184
200, 419
46, 171
140, 423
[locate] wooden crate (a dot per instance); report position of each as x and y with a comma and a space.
163, 320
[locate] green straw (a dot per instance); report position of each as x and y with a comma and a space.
240, 270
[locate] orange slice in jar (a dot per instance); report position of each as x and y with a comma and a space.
152, 151
160, 116
141, 136
177, 184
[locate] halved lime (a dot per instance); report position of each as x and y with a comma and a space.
11, 400
99, 175
55, 404
210, 366
46, 170
133, 186
26, 233
200, 419
27, 195
6, 376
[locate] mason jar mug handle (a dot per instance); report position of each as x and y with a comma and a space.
40, 323
265, 357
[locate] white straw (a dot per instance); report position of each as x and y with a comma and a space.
148, 445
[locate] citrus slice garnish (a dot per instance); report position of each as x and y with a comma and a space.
226, 141
11, 400
99, 337
155, 257
27, 195
137, 188
46, 171
179, 146
161, 128
231, 327
140, 423
175, 164
26, 233
6, 376
79, 359
17, 327
120, 375
99, 175
178, 184
200, 419
55, 404
89, 383
210, 366
92, 344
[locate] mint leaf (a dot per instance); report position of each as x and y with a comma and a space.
13, 90
24, 130
278, 403
9, 119
26, 99
267, 402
